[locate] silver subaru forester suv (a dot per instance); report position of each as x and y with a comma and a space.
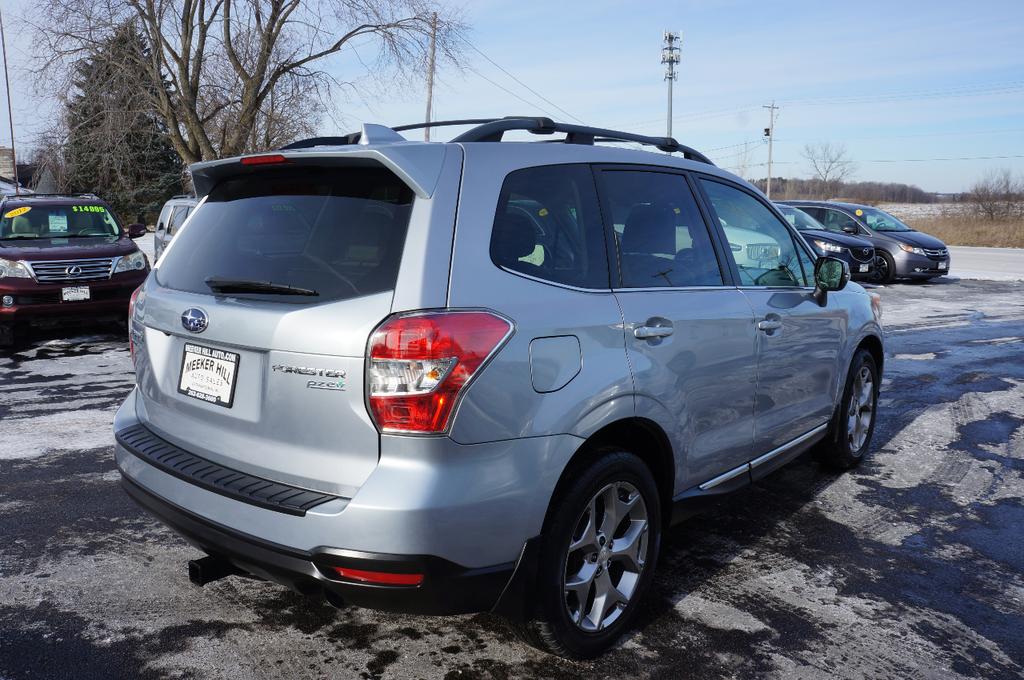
478, 375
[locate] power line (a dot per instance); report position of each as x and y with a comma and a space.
916, 160
510, 92
537, 94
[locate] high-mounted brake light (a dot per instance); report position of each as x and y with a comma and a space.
266, 159
419, 365
384, 578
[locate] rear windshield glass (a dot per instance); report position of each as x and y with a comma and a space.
57, 221
333, 233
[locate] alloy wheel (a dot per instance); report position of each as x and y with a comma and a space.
861, 409
605, 556
881, 268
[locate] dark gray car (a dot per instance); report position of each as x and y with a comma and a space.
900, 251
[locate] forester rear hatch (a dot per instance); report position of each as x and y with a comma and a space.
250, 341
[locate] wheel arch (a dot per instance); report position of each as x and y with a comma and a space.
640, 436
873, 344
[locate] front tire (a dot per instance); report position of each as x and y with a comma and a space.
885, 267
598, 551
853, 424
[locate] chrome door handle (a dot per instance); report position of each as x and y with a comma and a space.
648, 332
769, 325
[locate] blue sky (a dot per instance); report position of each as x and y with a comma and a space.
899, 83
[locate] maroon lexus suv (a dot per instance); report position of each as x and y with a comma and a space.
64, 257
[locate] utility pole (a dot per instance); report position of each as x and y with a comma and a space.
769, 132
430, 75
670, 57
10, 115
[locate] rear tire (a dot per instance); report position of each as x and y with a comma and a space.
885, 267
596, 563
853, 423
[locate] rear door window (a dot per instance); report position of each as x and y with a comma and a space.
548, 225
661, 237
336, 232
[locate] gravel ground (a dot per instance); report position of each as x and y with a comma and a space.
910, 567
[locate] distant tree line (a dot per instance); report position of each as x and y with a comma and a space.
785, 188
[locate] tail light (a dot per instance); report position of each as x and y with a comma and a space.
419, 365
135, 305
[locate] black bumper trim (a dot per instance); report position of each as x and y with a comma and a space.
447, 588
139, 441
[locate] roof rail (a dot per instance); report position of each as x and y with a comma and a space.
493, 129
574, 134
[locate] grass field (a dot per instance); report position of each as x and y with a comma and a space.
962, 230
953, 223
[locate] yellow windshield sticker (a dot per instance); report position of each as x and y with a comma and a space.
676, 210
858, 212
543, 212
17, 211
88, 208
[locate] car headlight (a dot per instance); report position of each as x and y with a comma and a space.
828, 247
911, 249
133, 262
12, 269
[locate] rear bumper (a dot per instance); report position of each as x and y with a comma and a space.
36, 301
447, 588
464, 516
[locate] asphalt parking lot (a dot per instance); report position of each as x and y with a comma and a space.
910, 567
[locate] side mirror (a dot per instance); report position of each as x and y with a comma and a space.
830, 273
850, 229
136, 230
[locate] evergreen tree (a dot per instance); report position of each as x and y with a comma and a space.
117, 145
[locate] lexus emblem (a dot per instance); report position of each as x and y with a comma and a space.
73, 270
194, 320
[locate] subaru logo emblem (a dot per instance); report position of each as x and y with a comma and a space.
73, 270
194, 320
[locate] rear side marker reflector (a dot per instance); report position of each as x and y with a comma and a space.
267, 159
383, 578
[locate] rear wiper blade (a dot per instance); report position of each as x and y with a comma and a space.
221, 285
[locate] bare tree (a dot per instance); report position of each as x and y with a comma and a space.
241, 74
997, 195
830, 165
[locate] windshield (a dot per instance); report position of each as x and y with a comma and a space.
58, 221
294, 235
879, 220
801, 220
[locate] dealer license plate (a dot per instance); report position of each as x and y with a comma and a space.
943, 265
74, 293
864, 268
208, 374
